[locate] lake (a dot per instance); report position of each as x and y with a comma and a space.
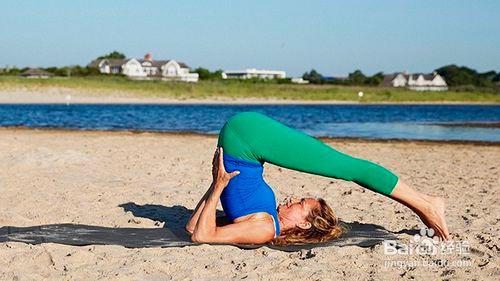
421, 122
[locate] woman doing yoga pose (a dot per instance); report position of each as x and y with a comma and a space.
250, 139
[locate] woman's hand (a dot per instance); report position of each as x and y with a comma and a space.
220, 176
207, 231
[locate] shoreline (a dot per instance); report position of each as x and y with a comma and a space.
215, 101
493, 124
70, 96
13, 129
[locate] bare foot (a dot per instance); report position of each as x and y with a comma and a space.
430, 209
433, 216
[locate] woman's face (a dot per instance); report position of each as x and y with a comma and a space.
295, 211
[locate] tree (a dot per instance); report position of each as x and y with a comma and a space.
313, 77
489, 75
357, 77
217, 74
205, 74
497, 77
375, 80
12, 71
113, 55
74, 70
463, 76
57, 71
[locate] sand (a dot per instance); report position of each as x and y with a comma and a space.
61, 95
86, 178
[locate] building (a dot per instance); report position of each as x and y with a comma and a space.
253, 73
299, 80
417, 81
36, 73
146, 69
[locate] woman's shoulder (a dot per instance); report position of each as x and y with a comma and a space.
264, 220
259, 216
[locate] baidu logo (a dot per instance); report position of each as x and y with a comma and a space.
425, 243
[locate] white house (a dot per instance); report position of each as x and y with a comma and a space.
254, 73
36, 73
103, 65
132, 68
128, 67
146, 68
417, 81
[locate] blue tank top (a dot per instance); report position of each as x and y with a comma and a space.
247, 193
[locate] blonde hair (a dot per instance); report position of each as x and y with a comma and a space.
324, 227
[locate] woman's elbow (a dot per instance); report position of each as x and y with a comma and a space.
189, 229
202, 236
196, 238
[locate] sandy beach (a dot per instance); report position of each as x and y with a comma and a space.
61, 95
50, 177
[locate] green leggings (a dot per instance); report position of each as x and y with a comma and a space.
257, 138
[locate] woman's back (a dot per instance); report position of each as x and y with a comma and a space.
247, 193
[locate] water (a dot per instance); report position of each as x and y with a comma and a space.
426, 122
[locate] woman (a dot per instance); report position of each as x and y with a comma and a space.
250, 139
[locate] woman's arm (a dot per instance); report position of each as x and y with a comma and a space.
248, 232
197, 211
206, 230
199, 207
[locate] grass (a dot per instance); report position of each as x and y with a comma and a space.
241, 89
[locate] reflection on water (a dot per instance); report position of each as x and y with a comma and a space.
426, 122
406, 131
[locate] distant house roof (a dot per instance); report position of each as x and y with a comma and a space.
117, 62
389, 78
416, 75
387, 82
34, 72
112, 62
429, 76
95, 63
155, 63
159, 63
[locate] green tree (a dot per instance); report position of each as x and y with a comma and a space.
357, 77
12, 71
464, 76
488, 75
217, 75
375, 80
313, 77
113, 55
74, 70
458, 76
205, 74
497, 77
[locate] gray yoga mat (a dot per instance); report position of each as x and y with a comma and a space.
359, 234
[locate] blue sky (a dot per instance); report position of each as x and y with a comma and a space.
334, 37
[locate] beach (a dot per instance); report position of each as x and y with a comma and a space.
96, 178
79, 93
